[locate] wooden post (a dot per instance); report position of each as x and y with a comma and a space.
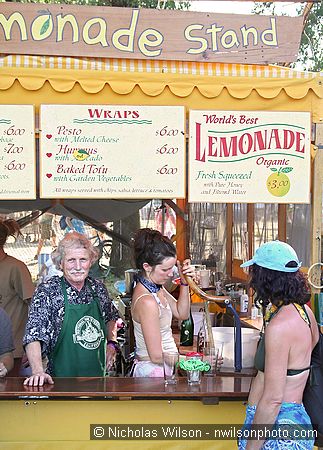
182, 231
229, 252
282, 228
317, 201
250, 228
317, 195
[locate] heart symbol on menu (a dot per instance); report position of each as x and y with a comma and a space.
49, 136
49, 154
49, 175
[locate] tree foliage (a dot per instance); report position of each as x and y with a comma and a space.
162, 4
310, 55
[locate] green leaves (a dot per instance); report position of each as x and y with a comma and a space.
286, 169
281, 169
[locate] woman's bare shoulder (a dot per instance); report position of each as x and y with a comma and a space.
282, 324
142, 299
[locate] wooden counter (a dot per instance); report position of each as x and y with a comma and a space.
130, 388
252, 323
60, 416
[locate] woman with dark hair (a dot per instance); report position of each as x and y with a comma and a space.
16, 289
152, 305
284, 351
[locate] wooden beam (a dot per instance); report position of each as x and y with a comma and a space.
250, 228
282, 226
317, 196
229, 252
182, 230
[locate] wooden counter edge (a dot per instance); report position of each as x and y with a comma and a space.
128, 388
252, 323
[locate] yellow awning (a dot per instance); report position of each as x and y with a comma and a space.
42, 79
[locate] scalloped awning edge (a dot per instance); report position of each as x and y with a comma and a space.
154, 84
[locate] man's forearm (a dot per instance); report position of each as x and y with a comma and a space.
112, 330
33, 351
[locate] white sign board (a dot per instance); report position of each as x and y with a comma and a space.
104, 151
249, 157
17, 152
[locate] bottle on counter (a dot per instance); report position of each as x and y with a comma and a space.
254, 312
202, 337
260, 312
187, 331
244, 302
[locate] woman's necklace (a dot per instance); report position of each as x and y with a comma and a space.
149, 285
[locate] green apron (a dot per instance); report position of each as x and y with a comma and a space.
80, 350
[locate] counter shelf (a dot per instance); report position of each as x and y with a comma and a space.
218, 387
60, 416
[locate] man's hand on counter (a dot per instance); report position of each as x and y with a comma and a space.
38, 379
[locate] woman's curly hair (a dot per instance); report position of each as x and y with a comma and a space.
150, 246
274, 286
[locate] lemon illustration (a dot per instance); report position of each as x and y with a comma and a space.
278, 184
42, 27
80, 154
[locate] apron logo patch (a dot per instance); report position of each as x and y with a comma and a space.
88, 333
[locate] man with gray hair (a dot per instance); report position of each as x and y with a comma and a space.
72, 320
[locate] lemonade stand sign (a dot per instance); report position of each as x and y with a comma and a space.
249, 157
17, 153
112, 151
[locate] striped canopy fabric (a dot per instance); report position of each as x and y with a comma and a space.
127, 81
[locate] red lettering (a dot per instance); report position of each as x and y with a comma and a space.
274, 137
231, 150
95, 113
245, 143
212, 141
289, 139
198, 155
300, 137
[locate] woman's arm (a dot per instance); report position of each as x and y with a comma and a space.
181, 307
314, 327
147, 314
277, 346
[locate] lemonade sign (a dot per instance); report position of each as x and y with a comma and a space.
249, 157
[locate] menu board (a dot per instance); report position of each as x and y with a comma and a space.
118, 151
249, 157
17, 152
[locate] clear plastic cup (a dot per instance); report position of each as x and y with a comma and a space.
211, 356
170, 362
